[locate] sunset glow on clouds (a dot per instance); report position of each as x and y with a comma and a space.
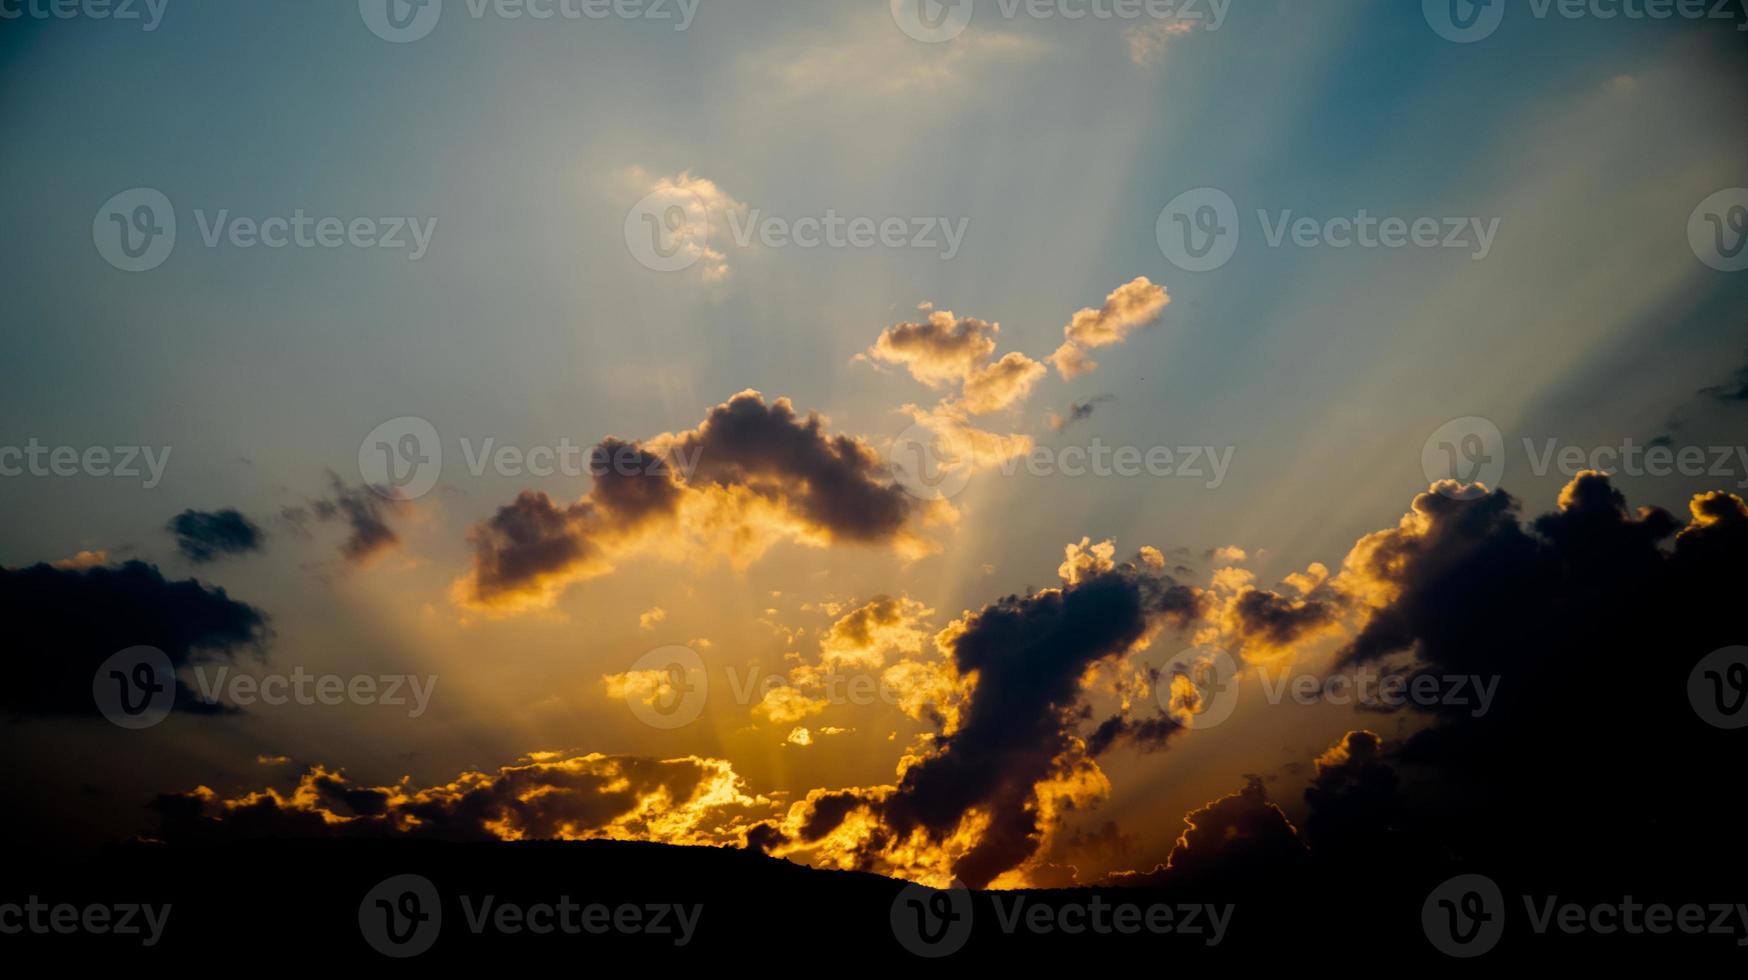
806, 439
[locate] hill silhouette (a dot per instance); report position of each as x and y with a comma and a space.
514, 904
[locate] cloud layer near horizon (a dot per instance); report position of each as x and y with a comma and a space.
1562, 610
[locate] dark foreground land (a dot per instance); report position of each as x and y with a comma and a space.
597, 905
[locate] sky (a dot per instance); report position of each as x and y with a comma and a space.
541, 178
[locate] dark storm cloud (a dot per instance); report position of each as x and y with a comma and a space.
1279, 620
527, 539
836, 483
202, 536
1017, 730
63, 623
832, 487
1147, 734
1240, 840
1018, 727
533, 539
1240, 837
631, 482
1591, 619
1352, 798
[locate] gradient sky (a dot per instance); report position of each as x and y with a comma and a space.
530, 321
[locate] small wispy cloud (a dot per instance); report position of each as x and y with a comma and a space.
1147, 42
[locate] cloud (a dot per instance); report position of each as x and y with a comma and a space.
202, 536
1239, 840
1734, 390
1130, 307
82, 560
887, 638
1353, 803
941, 351
947, 351
544, 796
1003, 383
1706, 404
1586, 621
64, 622
1591, 616
871, 634
1078, 412
957, 444
703, 232
1147, 42
1277, 621
1236, 837
363, 511
785, 705
649, 619
750, 475
982, 799
1147, 734
1589, 620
